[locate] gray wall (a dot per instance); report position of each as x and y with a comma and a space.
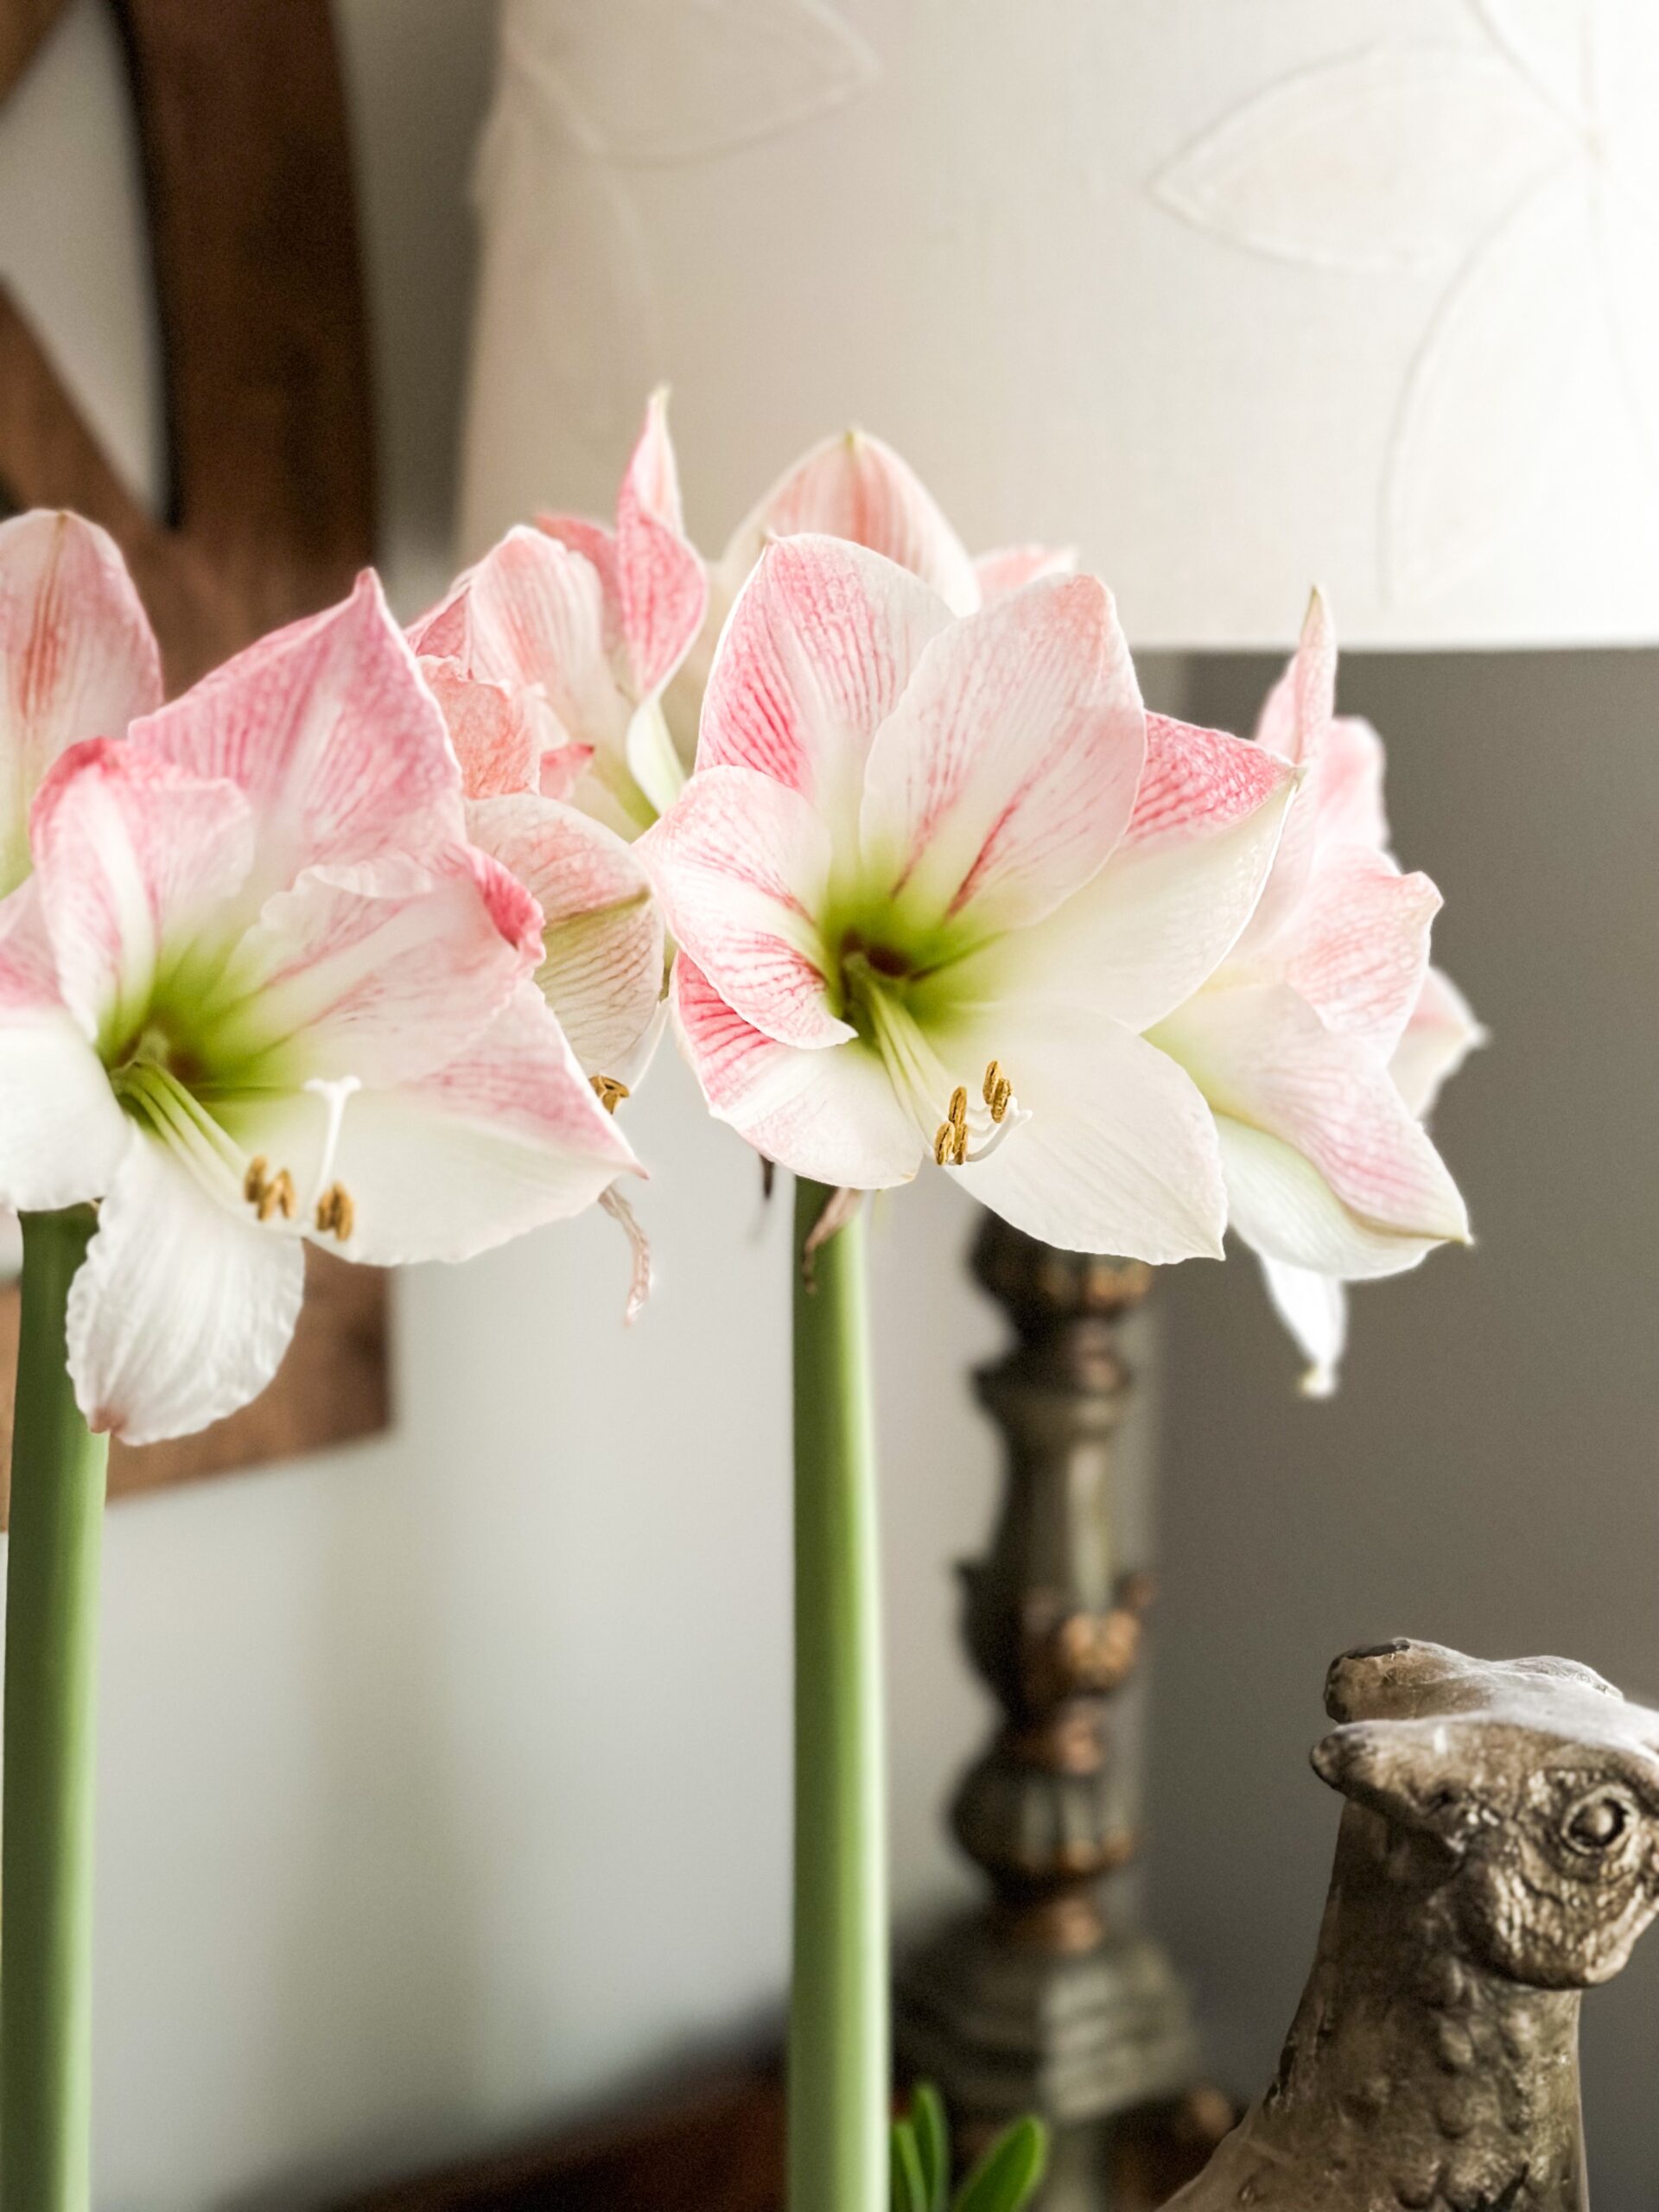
1489, 1476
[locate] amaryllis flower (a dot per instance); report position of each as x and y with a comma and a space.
580, 661
932, 881
854, 485
1323, 1039
76, 658
259, 988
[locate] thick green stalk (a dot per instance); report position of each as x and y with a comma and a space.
838, 2063
46, 1829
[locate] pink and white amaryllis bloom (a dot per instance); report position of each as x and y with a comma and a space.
1322, 1040
580, 650
933, 880
259, 988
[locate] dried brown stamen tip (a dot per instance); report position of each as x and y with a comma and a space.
253, 1183
336, 1213
609, 1092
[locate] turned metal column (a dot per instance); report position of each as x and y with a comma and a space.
1048, 1998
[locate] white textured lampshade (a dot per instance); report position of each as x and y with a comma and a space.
1234, 295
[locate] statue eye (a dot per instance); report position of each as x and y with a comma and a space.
1599, 1823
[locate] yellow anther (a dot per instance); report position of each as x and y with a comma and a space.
336, 1213
276, 1196
944, 1143
253, 1183
998, 1090
956, 1112
993, 1077
609, 1092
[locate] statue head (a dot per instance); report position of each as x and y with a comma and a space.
1532, 1783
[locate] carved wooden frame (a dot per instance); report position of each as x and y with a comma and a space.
243, 129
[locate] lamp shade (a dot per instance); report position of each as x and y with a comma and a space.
1233, 296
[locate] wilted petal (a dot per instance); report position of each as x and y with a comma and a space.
1010, 567
76, 658
1440, 1036
1007, 773
507, 1136
380, 974
1262, 1058
1159, 917
832, 1114
820, 646
854, 487
1314, 1308
741, 865
183, 1308
131, 854
328, 729
1120, 1152
660, 580
61, 1134
1357, 950
601, 968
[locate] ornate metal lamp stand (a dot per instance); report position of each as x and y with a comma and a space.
1042, 1999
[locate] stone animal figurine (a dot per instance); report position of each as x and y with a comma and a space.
1498, 1853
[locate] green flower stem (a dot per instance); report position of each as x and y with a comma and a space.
838, 2063
46, 1828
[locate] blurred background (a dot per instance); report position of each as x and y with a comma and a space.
445, 1778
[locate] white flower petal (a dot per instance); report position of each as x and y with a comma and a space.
62, 1136
1285, 1210
1314, 1308
183, 1308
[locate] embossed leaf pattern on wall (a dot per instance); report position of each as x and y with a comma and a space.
1523, 162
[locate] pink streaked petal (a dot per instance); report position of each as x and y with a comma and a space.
380, 974
1296, 711
1119, 1154
1157, 921
660, 579
332, 734
596, 544
183, 1308
1197, 780
1345, 786
76, 658
1285, 1210
854, 487
1010, 567
1440, 1036
498, 742
1358, 950
741, 865
131, 855
562, 769
1007, 773
507, 1136
829, 1115
601, 968
820, 646
1262, 1057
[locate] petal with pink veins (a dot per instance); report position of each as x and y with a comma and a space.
1296, 723
660, 580
1263, 1058
1345, 786
62, 1134
1282, 1206
742, 866
328, 729
601, 968
820, 646
507, 1136
831, 1114
382, 974
1119, 1154
1007, 773
499, 738
132, 855
184, 1307
1010, 567
77, 659
1142, 936
1357, 950
854, 487
1438, 1038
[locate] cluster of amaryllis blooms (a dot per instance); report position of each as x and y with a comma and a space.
364, 938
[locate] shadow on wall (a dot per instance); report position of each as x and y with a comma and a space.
1489, 1476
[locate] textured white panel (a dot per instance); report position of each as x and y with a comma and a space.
1238, 296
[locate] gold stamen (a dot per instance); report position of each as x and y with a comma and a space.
253, 1183
998, 1090
609, 1092
993, 1077
336, 1213
944, 1143
956, 1111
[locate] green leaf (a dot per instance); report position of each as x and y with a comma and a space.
933, 2144
1006, 2176
909, 2191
